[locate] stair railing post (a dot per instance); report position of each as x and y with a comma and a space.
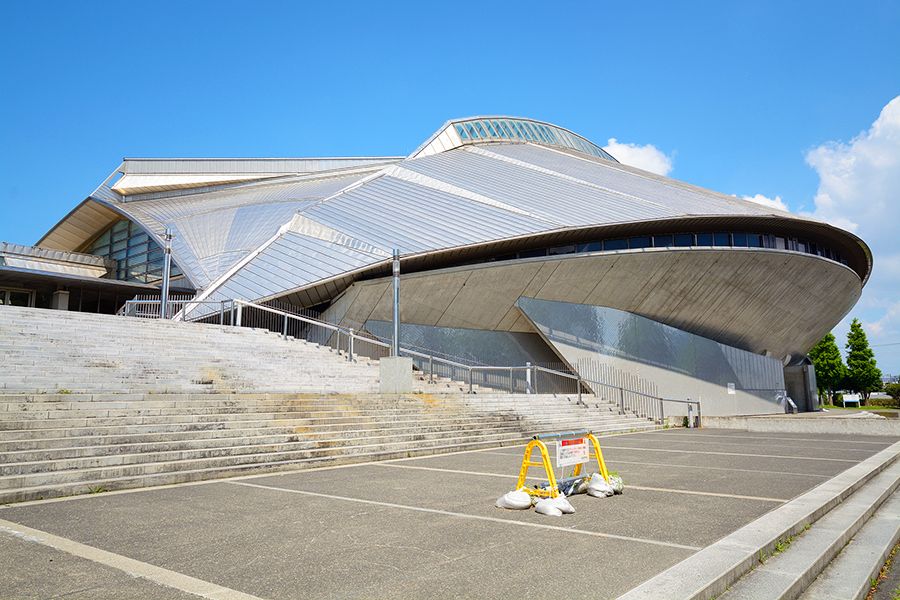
690, 416
662, 415
578, 383
284, 327
470, 380
350, 345
510, 380
528, 378
238, 318
431, 368
621, 401
221, 312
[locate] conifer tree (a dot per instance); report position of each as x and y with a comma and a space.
863, 375
830, 369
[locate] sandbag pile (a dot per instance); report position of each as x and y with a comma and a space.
595, 486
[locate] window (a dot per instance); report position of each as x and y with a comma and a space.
684, 239
620, 244
137, 256
519, 129
562, 250
590, 247
755, 240
533, 253
721, 239
639, 242
704, 239
662, 241
739, 239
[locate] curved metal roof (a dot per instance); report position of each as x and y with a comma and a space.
338, 219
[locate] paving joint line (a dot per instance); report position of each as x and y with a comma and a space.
130, 566
449, 513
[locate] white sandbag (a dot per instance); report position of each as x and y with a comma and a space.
617, 484
563, 504
599, 487
597, 493
547, 507
517, 500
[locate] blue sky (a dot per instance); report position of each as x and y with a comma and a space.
746, 98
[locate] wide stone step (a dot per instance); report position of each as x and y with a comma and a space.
10, 438
302, 443
90, 439
54, 477
719, 567
93, 447
40, 492
850, 575
787, 574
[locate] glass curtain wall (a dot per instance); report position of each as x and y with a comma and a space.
137, 256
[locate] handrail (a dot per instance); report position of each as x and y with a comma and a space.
640, 403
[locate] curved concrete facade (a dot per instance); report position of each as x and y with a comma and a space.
757, 300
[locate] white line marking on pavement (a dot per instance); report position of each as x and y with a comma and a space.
674, 439
448, 513
676, 451
739, 436
631, 487
846, 460
135, 568
652, 464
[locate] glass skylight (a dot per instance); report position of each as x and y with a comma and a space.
529, 131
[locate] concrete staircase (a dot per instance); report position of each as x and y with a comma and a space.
61, 444
824, 545
48, 351
97, 402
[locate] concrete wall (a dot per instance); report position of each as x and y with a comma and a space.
727, 380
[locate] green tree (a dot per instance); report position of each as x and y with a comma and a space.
863, 375
893, 390
830, 369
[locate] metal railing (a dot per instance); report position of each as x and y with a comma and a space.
527, 379
221, 311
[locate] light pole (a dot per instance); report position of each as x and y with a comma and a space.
167, 272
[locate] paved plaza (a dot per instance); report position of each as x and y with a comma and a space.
422, 527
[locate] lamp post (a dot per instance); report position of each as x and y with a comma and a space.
395, 346
167, 272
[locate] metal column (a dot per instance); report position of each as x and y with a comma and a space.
167, 272
395, 344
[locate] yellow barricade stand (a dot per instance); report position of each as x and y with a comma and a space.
552, 490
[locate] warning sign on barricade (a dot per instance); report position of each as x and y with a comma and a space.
573, 451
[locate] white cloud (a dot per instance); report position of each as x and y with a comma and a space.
776, 202
859, 190
647, 157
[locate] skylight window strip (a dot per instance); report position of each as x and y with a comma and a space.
522, 131
462, 132
530, 131
473, 133
490, 129
508, 130
500, 132
481, 130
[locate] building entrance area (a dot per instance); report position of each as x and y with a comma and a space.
15, 297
